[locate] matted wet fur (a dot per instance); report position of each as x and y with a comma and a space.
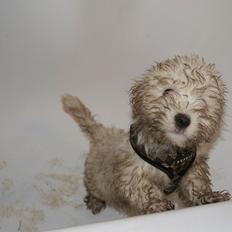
116, 176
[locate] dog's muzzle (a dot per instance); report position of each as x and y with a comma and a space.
175, 163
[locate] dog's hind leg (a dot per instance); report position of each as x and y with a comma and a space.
94, 204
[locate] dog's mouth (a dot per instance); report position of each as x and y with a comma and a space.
178, 136
172, 160
179, 131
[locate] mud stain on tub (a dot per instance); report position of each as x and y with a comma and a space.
6, 187
56, 162
58, 189
3, 164
28, 218
7, 184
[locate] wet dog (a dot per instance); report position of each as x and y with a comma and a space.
177, 116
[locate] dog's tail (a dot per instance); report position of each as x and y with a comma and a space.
82, 115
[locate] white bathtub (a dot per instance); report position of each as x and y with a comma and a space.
93, 49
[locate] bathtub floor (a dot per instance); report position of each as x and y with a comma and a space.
41, 186
43, 193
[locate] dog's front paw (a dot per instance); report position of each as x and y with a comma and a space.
161, 206
214, 197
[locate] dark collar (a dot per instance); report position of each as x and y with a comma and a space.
174, 166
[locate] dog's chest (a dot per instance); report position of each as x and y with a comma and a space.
153, 174
161, 180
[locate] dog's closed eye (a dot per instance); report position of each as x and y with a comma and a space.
166, 91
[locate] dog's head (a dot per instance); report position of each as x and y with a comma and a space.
180, 100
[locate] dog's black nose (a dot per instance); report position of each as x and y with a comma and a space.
182, 120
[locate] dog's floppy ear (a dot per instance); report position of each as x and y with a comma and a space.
137, 145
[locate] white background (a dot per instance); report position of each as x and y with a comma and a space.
92, 49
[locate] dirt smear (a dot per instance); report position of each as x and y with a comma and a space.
56, 189
56, 162
7, 184
28, 217
3, 164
